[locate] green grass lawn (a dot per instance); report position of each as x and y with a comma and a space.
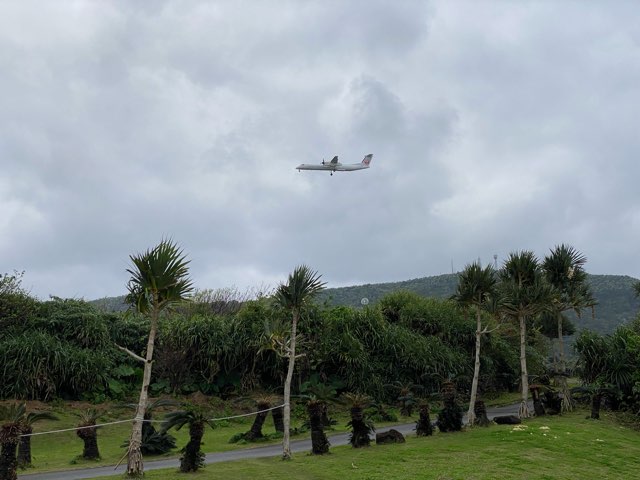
566, 447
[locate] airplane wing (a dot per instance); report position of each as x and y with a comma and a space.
334, 160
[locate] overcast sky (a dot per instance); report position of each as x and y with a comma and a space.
495, 127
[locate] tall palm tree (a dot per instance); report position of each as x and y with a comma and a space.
302, 285
159, 279
524, 294
192, 456
27, 422
564, 271
476, 286
10, 432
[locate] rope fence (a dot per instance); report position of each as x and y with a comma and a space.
148, 421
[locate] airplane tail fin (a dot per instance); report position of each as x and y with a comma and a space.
367, 159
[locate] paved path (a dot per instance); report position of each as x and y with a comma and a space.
257, 452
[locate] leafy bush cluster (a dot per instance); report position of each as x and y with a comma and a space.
64, 348
609, 366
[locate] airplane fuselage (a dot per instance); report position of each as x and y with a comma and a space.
335, 166
331, 168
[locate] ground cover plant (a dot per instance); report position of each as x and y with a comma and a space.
567, 446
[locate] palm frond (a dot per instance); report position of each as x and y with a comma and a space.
34, 417
159, 276
14, 413
302, 285
564, 270
475, 285
189, 416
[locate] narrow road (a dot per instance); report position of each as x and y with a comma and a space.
257, 452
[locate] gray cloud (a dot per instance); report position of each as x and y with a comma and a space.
493, 127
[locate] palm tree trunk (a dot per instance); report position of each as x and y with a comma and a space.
561, 381
596, 401
278, 422
471, 416
319, 442
360, 430
9, 434
524, 378
286, 439
423, 425
8, 462
193, 458
24, 447
255, 431
450, 417
90, 438
481, 414
560, 344
135, 465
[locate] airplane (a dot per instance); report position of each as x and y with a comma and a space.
335, 166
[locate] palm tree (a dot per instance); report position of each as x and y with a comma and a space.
423, 425
159, 279
476, 286
361, 426
593, 351
10, 432
192, 456
406, 398
316, 408
27, 422
88, 432
524, 294
153, 441
564, 270
263, 404
450, 417
302, 285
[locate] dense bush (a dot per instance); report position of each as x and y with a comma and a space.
609, 365
67, 348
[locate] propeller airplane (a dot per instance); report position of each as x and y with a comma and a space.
335, 166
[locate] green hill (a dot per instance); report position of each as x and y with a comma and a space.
111, 304
616, 298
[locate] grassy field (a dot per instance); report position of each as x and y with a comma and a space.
61, 451
544, 448
570, 447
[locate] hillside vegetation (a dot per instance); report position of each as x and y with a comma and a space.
617, 303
